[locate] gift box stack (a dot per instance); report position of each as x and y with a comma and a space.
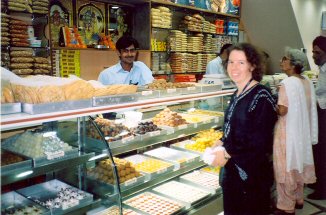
195, 44
177, 41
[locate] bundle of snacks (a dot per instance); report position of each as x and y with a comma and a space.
177, 41
104, 172
4, 29
21, 62
20, 5
102, 90
160, 84
18, 33
40, 6
161, 17
168, 118
41, 65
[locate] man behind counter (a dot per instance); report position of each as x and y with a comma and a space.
215, 66
127, 71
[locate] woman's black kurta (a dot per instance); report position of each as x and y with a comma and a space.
247, 177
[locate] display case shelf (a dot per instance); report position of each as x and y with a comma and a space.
18, 174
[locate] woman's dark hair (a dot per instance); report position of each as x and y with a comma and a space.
125, 41
253, 57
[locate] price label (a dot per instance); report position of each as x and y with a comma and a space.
154, 133
54, 155
127, 139
195, 125
162, 170
191, 88
183, 126
171, 90
147, 93
131, 181
69, 204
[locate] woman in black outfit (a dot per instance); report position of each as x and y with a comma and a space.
247, 143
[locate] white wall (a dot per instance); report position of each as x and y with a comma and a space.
275, 24
308, 16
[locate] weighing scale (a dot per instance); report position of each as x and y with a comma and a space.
218, 79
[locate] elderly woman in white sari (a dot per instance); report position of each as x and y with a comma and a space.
295, 133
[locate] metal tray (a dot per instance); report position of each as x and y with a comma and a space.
39, 161
148, 94
203, 119
24, 164
190, 90
153, 134
135, 159
49, 190
11, 108
181, 146
179, 158
55, 106
115, 99
204, 88
161, 203
182, 192
201, 179
13, 201
114, 210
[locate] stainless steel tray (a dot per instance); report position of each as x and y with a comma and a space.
55, 106
41, 193
114, 99
190, 90
148, 94
39, 161
181, 146
153, 134
135, 159
201, 179
24, 164
13, 202
10, 108
204, 88
182, 192
179, 158
152, 203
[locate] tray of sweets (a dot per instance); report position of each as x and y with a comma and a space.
57, 196
128, 176
151, 167
11, 161
184, 146
205, 112
154, 204
182, 192
179, 158
114, 210
115, 99
55, 106
10, 108
199, 119
202, 179
31, 146
14, 203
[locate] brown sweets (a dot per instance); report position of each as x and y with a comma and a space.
168, 118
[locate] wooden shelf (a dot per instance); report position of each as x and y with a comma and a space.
193, 8
91, 49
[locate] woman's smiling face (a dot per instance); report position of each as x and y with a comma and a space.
238, 68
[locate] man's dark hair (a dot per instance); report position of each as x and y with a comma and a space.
125, 41
225, 46
320, 41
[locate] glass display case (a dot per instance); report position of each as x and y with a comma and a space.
77, 162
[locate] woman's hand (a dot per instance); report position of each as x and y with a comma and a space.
217, 143
221, 157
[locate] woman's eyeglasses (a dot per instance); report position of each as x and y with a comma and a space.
284, 59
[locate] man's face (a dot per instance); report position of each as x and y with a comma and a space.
128, 55
318, 55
